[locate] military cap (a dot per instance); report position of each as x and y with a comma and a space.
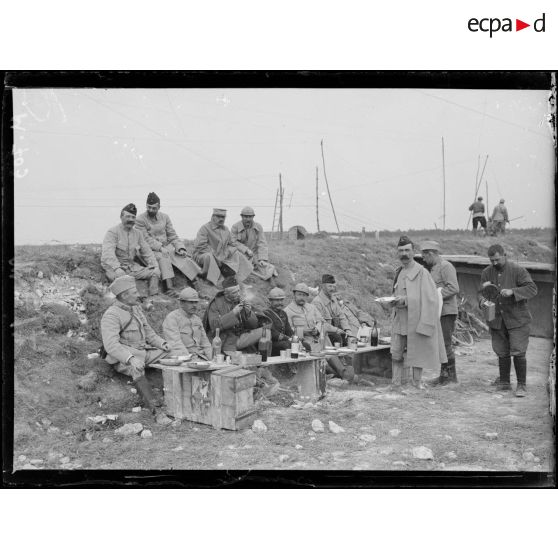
247, 211
276, 294
217, 211
479, 198
189, 295
301, 288
326, 278
404, 240
430, 245
153, 198
230, 281
502, 200
130, 208
121, 284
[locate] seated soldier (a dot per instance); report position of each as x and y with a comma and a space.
218, 253
337, 327
123, 245
168, 249
281, 330
237, 323
130, 342
355, 316
183, 328
305, 317
252, 243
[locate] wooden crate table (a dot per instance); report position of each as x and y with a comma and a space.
374, 360
222, 396
309, 378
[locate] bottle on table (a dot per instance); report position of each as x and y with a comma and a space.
216, 345
374, 336
263, 344
295, 346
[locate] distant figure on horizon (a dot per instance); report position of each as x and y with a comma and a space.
500, 218
478, 210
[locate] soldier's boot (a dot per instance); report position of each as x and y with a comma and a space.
150, 400
396, 373
153, 285
417, 378
452, 373
406, 376
504, 364
520, 365
442, 379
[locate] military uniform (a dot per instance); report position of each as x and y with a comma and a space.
281, 330
236, 332
159, 233
215, 243
355, 316
185, 334
253, 238
120, 249
125, 334
306, 316
333, 314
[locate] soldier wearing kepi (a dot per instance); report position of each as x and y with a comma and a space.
168, 249
337, 326
509, 286
252, 243
416, 336
130, 342
122, 245
281, 330
183, 328
444, 275
217, 252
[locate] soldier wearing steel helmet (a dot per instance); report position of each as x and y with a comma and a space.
251, 241
183, 328
281, 330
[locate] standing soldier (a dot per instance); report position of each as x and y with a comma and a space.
168, 249
445, 277
500, 218
251, 242
416, 336
509, 286
183, 328
130, 342
217, 252
122, 245
478, 215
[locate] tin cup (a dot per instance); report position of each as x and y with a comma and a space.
283, 355
337, 345
220, 358
288, 353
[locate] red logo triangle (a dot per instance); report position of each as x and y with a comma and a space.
519, 25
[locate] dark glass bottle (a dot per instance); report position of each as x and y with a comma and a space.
374, 335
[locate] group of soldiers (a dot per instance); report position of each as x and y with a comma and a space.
147, 247
424, 304
496, 224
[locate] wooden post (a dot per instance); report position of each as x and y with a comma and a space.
280, 207
327, 186
317, 211
377, 235
274, 212
444, 180
487, 206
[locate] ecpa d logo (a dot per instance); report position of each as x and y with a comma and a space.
492, 25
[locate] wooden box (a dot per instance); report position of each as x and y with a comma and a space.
221, 398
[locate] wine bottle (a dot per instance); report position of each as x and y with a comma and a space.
295, 346
374, 335
216, 345
262, 345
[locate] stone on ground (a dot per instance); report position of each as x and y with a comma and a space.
335, 428
146, 433
367, 437
259, 426
283, 458
129, 429
422, 452
394, 432
317, 425
491, 435
451, 455
163, 420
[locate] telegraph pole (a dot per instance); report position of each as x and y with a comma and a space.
444, 180
317, 210
327, 186
280, 207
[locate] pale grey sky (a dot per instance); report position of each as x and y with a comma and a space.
82, 154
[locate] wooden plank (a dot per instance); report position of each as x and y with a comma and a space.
177, 395
306, 379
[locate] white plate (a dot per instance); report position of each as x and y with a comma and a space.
385, 299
